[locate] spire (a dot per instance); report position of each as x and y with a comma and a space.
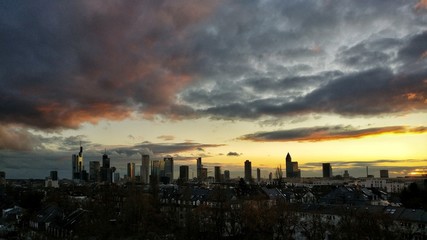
288, 157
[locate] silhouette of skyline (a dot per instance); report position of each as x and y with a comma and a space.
330, 82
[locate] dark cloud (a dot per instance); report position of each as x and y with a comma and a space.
66, 63
161, 149
166, 137
72, 62
233, 154
326, 133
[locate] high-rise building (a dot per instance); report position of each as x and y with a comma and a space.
199, 168
116, 177
292, 170
2, 177
183, 173
54, 175
384, 173
131, 171
94, 171
217, 171
346, 174
270, 177
106, 170
248, 170
327, 170
77, 165
258, 175
155, 169
226, 175
145, 168
168, 168
204, 174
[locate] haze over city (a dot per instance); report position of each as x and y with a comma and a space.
342, 82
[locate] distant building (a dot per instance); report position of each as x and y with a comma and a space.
346, 174
258, 175
199, 168
183, 173
292, 170
94, 171
226, 175
145, 168
116, 177
2, 177
383, 173
52, 180
217, 172
106, 170
248, 170
270, 177
131, 171
77, 165
168, 168
204, 174
54, 175
327, 170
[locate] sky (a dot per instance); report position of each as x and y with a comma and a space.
335, 81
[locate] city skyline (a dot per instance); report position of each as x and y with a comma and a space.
339, 82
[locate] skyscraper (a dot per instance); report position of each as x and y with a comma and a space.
327, 170
226, 175
77, 165
217, 170
384, 173
183, 173
145, 167
199, 168
258, 175
94, 171
248, 170
168, 168
292, 170
54, 175
106, 171
131, 171
155, 169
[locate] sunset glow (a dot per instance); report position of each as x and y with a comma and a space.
343, 82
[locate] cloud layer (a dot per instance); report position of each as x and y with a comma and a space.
327, 133
66, 63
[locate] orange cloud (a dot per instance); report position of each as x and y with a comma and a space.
327, 133
422, 4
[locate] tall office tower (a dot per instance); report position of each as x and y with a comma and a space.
2, 177
105, 160
258, 175
292, 170
327, 170
217, 172
106, 171
116, 177
199, 168
77, 162
346, 174
155, 169
383, 173
131, 171
183, 173
289, 168
270, 177
168, 168
248, 170
145, 168
204, 174
226, 175
94, 171
54, 175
